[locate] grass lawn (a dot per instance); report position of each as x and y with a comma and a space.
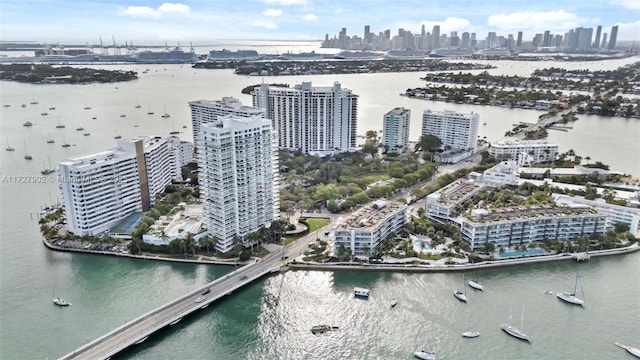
315, 224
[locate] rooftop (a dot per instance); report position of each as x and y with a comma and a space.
521, 213
370, 216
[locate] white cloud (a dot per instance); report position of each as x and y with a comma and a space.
558, 20
286, 2
174, 8
627, 31
629, 4
264, 24
309, 17
272, 12
145, 11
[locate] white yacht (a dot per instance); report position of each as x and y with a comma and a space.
630, 349
425, 355
513, 331
470, 334
476, 285
571, 297
361, 292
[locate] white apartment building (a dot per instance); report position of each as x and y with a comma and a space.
511, 227
615, 213
206, 111
239, 180
315, 120
441, 204
503, 173
524, 152
456, 131
100, 189
366, 228
395, 130
183, 152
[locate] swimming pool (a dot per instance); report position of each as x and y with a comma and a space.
417, 245
523, 253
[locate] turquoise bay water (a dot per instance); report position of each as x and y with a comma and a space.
271, 318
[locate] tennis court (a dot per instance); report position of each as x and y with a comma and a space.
127, 225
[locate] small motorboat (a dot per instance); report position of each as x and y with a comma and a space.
27, 123
321, 329
394, 302
470, 334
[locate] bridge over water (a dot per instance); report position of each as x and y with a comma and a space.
137, 330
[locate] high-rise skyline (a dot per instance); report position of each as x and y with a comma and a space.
613, 37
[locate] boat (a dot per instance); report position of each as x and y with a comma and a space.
80, 128
94, 118
150, 112
184, 126
123, 115
570, 297
630, 349
321, 329
26, 155
469, 333
52, 108
117, 137
86, 107
9, 147
425, 355
476, 285
34, 102
394, 302
50, 141
23, 105
86, 134
227, 55
60, 302
60, 126
166, 114
138, 106
27, 124
44, 113
513, 331
484, 123
459, 294
168, 56
361, 292
65, 145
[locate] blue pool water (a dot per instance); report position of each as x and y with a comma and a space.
417, 245
522, 253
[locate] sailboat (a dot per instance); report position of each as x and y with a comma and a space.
50, 141
26, 155
425, 355
174, 131
60, 125
459, 295
476, 285
138, 106
48, 170
65, 144
86, 107
58, 300
9, 147
513, 331
630, 349
166, 114
469, 333
149, 112
571, 297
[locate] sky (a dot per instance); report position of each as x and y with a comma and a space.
144, 21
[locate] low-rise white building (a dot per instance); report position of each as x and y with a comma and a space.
368, 227
441, 203
102, 188
615, 213
524, 152
504, 173
509, 227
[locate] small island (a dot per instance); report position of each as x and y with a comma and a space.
47, 74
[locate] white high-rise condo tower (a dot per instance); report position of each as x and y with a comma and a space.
456, 131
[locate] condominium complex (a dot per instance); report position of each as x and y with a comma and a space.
206, 111
524, 152
615, 213
395, 130
314, 120
366, 228
510, 226
239, 180
184, 154
456, 131
100, 189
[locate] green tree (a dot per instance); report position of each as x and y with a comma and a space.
428, 143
